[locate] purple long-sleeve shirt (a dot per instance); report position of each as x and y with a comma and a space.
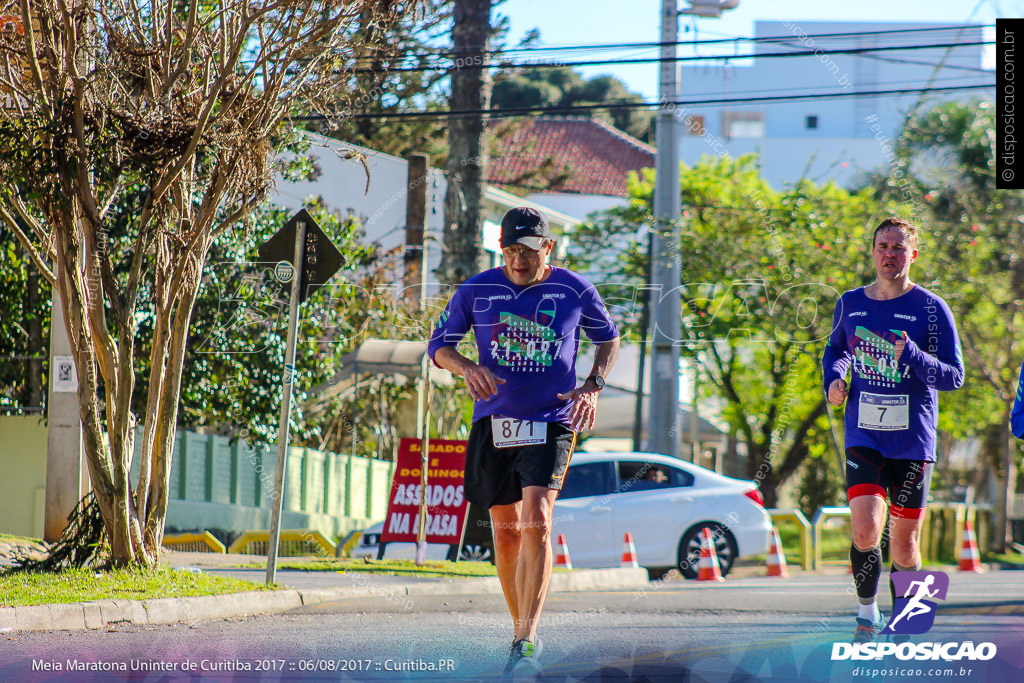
893, 406
1017, 416
527, 336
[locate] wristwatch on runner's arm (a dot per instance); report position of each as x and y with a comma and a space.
598, 381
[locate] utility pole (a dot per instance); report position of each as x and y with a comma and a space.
663, 420
67, 478
416, 228
663, 429
467, 149
645, 322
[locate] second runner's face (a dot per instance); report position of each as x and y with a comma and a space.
525, 266
892, 255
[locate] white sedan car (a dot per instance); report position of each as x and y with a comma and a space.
663, 502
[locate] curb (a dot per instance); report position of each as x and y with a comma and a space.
101, 614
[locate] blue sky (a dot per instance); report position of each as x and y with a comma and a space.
579, 22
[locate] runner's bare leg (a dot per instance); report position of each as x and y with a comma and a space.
535, 557
904, 540
867, 519
505, 527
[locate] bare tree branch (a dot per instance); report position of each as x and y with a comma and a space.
29, 247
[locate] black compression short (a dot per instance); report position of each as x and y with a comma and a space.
869, 473
496, 476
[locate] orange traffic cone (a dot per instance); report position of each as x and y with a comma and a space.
562, 559
776, 562
708, 570
969, 559
629, 552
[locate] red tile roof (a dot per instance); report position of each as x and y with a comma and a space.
596, 156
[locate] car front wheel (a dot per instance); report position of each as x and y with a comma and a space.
688, 560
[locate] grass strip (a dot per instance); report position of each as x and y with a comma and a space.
431, 569
1006, 558
82, 585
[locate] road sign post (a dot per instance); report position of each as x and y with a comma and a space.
423, 426
305, 259
286, 404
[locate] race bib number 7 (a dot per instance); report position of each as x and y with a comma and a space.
883, 412
507, 432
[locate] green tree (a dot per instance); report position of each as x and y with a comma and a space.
972, 255
232, 374
24, 330
562, 87
190, 103
762, 272
401, 74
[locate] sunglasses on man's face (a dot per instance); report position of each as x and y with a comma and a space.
521, 252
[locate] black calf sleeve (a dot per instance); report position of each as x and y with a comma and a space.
893, 568
867, 568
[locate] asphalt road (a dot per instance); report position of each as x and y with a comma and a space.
745, 629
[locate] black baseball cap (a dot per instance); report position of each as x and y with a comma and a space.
526, 226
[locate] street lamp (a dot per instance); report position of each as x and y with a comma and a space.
709, 8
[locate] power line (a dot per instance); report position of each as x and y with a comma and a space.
687, 206
695, 58
738, 39
897, 60
521, 111
808, 89
914, 62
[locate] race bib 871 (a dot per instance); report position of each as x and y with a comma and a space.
507, 432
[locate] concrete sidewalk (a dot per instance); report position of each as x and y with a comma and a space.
302, 588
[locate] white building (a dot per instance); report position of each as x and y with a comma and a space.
376, 193
837, 138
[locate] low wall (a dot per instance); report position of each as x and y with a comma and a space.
23, 478
215, 484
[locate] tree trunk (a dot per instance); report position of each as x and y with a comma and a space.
167, 412
467, 158
771, 475
770, 490
100, 365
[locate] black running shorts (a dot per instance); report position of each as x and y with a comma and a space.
869, 473
496, 476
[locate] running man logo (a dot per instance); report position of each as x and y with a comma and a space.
914, 612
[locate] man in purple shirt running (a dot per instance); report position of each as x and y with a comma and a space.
899, 343
527, 317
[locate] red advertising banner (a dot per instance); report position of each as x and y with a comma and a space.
446, 504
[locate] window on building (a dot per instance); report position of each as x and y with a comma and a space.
811, 122
694, 125
743, 124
